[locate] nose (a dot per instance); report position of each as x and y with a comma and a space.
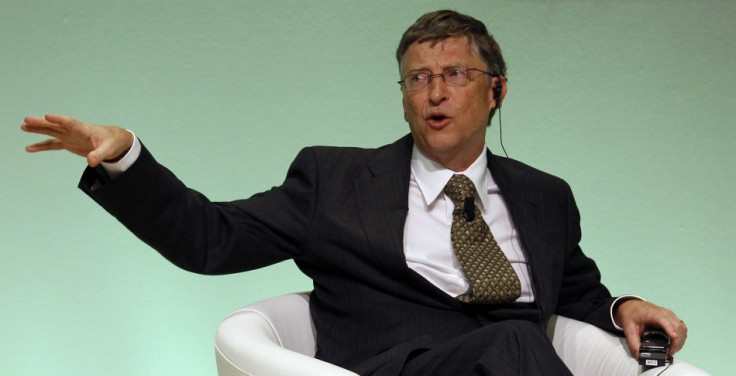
437, 89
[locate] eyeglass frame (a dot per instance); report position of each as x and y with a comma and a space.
430, 76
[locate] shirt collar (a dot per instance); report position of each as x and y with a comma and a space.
431, 176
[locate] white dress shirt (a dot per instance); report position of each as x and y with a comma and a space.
427, 244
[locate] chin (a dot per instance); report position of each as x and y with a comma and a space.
440, 148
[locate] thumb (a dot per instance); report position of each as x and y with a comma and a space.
112, 147
105, 151
634, 341
93, 158
633, 332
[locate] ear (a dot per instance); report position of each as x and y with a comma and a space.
499, 89
504, 89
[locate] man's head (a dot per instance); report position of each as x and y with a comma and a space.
442, 24
449, 66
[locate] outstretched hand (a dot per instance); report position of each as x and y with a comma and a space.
94, 142
635, 316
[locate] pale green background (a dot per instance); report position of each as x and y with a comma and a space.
632, 102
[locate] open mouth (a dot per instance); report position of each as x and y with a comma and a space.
438, 120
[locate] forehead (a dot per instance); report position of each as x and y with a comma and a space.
436, 55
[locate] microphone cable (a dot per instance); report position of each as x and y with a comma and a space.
500, 133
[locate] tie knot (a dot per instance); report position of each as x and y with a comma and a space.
459, 188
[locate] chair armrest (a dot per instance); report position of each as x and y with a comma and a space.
252, 341
588, 350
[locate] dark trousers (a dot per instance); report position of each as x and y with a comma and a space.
505, 348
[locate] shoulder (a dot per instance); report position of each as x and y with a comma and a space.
513, 171
341, 158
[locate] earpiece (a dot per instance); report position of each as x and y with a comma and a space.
497, 92
497, 97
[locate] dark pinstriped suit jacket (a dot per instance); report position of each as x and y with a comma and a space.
340, 215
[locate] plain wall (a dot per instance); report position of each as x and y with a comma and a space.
630, 101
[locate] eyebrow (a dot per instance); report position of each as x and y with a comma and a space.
421, 70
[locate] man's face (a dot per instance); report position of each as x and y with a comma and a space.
448, 123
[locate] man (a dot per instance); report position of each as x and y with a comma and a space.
380, 231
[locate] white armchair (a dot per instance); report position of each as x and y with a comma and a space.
275, 337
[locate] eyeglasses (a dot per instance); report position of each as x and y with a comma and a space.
453, 76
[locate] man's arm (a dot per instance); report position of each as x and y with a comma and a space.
96, 143
582, 284
182, 224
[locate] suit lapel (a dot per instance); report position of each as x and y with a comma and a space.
524, 208
381, 192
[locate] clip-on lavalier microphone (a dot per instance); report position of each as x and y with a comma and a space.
469, 208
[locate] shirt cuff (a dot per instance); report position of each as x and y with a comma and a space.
618, 301
114, 169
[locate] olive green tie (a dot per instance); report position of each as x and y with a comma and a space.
489, 272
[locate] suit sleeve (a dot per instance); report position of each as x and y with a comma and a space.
582, 295
203, 236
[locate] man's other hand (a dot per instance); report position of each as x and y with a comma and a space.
94, 142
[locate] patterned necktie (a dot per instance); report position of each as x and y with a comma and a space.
489, 272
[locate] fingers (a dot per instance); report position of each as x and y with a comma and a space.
39, 125
64, 123
61, 119
636, 316
67, 133
51, 144
678, 341
50, 125
50, 120
677, 330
